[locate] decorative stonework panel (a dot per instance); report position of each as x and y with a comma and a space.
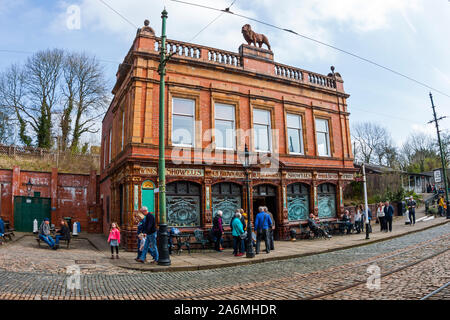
227, 174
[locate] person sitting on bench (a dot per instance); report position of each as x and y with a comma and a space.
347, 221
63, 233
312, 224
44, 234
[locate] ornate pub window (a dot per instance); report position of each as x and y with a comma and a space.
224, 125
183, 122
226, 197
183, 204
295, 136
298, 201
323, 138
327, 200
262, 130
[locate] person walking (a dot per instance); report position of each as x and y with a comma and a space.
44, 234
218, 230
243, 219
2, 227
149, 230
412, 210
272, 230
114, 239
237, 232
263, 223
388, 214
381, 218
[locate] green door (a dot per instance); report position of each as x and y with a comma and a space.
26, 209
148, 196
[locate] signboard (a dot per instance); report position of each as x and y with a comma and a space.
437, 176
299, 175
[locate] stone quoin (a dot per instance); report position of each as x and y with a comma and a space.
295, 123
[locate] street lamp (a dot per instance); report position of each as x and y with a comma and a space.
29, 186
249, 252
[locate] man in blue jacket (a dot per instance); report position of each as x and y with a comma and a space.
388, 214
149, 229
263, 223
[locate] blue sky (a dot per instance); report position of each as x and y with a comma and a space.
410, 36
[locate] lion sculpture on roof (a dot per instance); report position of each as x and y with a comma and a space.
252, 37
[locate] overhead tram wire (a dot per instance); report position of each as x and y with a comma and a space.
319, 42
119, 14
214, 20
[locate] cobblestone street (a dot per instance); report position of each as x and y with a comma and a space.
31, 273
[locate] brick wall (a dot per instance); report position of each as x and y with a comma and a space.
70, 194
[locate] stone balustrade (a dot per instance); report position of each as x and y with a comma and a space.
224, 57
288, 72
235, 60
321, 80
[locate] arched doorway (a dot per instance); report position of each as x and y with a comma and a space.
183, 200
298, 201
148, 195
326, 197
227, 197
265, 195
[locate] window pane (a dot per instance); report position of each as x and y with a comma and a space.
321, 125
183, 130
322, 144
261, 116
224, 134
262, 138
293, 121
183, 106
224, 112
294, 141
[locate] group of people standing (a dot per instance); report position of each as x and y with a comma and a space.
264, 228
385, 213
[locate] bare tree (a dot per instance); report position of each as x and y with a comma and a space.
12, 101
55, 84
90, 96
369, 138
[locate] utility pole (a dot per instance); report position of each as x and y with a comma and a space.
444, 167
366, 205
164, 256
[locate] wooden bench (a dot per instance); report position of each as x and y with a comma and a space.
7, 234
66, 240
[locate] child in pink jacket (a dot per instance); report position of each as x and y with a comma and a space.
114, 239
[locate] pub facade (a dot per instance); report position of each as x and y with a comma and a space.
294, 122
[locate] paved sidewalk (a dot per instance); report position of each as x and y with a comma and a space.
210, 259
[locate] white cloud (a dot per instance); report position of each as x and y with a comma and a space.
317, 19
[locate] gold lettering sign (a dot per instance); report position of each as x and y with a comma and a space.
298, 175
327, 176
152, 171
227, 174
149, 171
347, 176
264, 175
148, 185
185, 172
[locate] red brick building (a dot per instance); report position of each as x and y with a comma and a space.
293, 120
53, 195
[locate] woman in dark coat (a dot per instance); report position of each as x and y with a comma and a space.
63, 233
